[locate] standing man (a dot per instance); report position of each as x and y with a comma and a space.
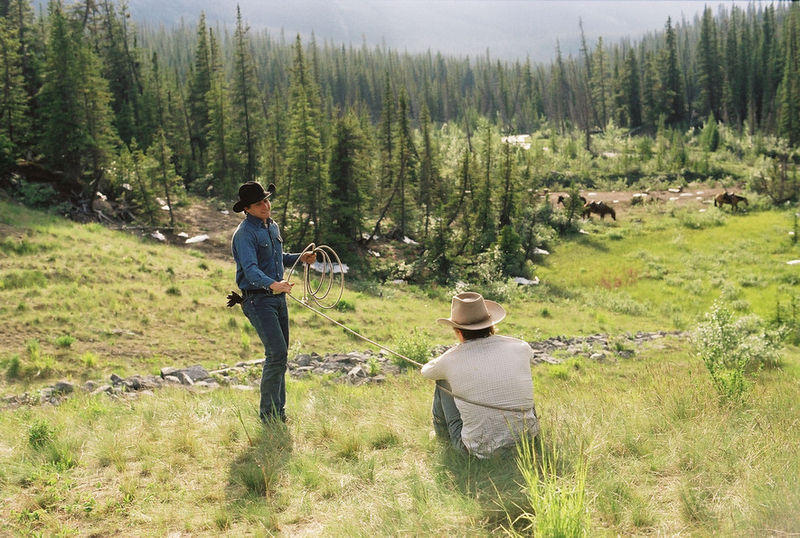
257, 248
484, 368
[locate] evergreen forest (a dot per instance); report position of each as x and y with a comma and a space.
367, 141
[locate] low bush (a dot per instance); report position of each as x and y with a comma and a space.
733, 349
415, 345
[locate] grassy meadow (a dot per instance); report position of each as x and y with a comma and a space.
645, 440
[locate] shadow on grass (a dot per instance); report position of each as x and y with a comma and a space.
496, 483
255, 474
592, 243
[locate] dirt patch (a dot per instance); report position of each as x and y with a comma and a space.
695, 195
11, 232
687, 196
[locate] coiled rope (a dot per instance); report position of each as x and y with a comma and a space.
312, 293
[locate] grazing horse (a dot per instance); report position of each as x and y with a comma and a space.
601, 208
729, 198
564, 198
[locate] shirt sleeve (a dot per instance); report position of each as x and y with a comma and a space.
289, 259
433, 369
244, 248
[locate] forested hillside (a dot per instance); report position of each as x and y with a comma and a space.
364, 141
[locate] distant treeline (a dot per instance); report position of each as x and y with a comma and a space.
348, 132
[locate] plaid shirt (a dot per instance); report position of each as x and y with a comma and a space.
495, 370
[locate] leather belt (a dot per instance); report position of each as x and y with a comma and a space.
260, 291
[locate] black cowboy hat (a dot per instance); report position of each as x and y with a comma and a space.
251, 193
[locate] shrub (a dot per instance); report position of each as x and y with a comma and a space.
40, 434
415, 345
89, 359
65, 341
345, 306
13, 367
732, 349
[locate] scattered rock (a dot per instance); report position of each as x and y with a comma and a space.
197, 239
194, 373
102, 388
185, 378
63, 387
345, 367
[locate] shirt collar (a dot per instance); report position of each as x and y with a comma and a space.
257, 221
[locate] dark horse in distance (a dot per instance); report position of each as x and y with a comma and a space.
601, 208
729, 198
564, 199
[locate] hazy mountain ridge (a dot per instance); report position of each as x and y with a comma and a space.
509, 29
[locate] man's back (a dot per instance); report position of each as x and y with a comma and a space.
495, 370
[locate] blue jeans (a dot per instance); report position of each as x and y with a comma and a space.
446, 417
270, 318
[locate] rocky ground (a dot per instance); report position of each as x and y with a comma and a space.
356, 368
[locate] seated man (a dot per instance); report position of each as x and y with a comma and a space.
484, 368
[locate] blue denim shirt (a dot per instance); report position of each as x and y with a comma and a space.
258, 253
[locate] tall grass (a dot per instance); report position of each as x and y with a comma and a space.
557, 505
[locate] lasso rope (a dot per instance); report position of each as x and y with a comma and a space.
312, 293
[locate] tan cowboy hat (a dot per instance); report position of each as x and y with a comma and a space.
470, 311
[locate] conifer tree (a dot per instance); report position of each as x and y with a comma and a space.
74, 103
429, 170
245, 103
789, 94
708, 68
162, 173
509, 187
13, 100
273, 154
406, 156
304, 148
218, 129
599, 83
669, 95
345, 172
199, 88
484, 217
121, 70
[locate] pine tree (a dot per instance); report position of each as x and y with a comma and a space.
162, 173
429, 170
484, 216
630, 97
651, 108
304, 148
670, 92
509, 187
13, 100
406, 156
708, 67
247, 120
346, 177
789, 93
74, 103
121, 70
218, 128
199, 88
599, 83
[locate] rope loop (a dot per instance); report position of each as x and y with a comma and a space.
313, 292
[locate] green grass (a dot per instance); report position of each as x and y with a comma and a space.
644, 443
